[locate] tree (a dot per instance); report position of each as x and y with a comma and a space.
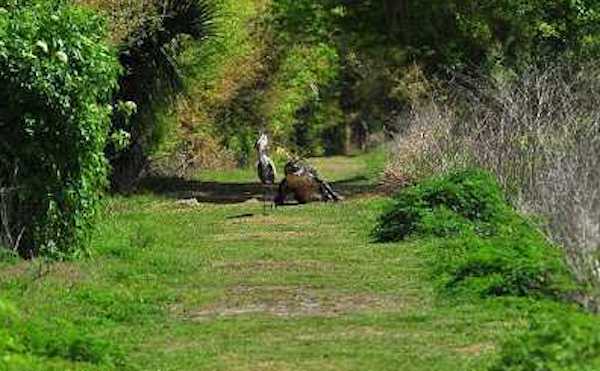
152, 78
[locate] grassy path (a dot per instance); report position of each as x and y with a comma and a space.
222, 287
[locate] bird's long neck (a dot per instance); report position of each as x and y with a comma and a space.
263, 156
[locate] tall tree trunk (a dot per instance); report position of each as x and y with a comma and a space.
128, 168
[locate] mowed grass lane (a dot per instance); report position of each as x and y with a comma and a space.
214, 286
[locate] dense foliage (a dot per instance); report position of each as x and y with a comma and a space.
57, 79
568, 342
461, 33
472, 196
327, 76
480, 244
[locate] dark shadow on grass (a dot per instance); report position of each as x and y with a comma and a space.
230, 193
241, 216
357, 180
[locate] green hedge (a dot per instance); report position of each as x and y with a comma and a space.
57, 78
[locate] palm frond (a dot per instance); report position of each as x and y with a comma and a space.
152, 74
149, 56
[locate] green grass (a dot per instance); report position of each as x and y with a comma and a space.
224, 287
356, 170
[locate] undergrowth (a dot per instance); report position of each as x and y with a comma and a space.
477, 246
476, 242
568, 342
31, 345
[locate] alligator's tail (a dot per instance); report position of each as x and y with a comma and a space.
327, 192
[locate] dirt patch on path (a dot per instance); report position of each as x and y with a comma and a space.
476, 349
292, 301
268, 265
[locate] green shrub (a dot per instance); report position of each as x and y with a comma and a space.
57, 79
441, 206
501, 265
7, 318
568, 342
478, 243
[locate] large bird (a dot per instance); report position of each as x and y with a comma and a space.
265, 167
304, 182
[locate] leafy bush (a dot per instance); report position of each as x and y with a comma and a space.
519, 265
486, 248
57, 79
568, 342
456, 200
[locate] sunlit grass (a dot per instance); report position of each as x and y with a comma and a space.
364, 168
224, 287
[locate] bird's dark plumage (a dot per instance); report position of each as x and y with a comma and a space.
266, 170
304, 182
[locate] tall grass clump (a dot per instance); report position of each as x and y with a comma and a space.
29, 345
537, 131
11, 350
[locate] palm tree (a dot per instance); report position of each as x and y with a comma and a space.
152, 76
